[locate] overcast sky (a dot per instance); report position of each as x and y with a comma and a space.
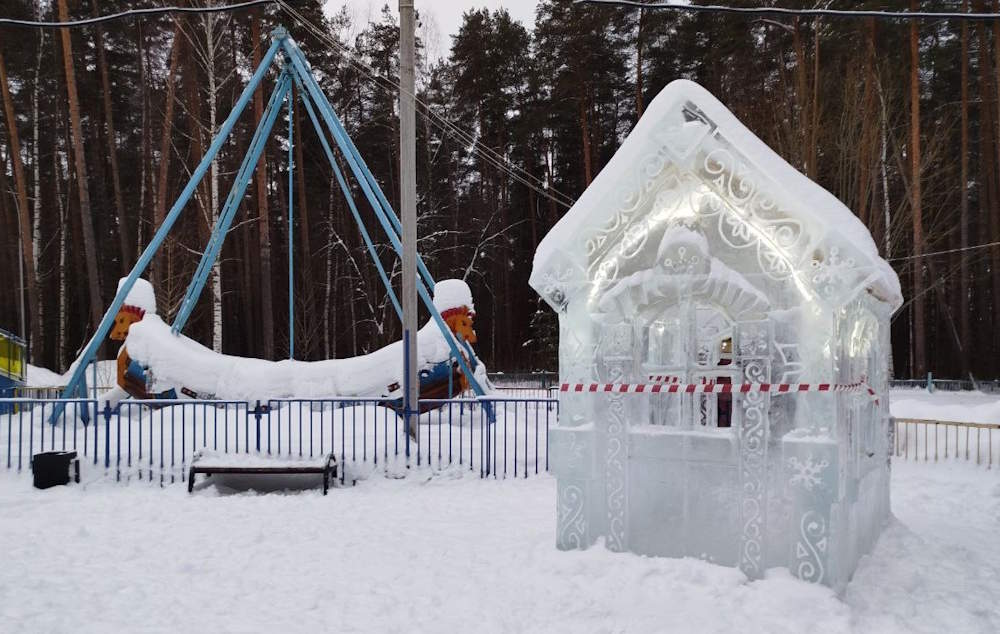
441, 18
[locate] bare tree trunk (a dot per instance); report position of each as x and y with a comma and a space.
588, 164
919, 349
80, 165
36, 229
963, 304
866, 170
196, 150
213, 91
813, 156
146, 185
639, 107
354, 319
58, 175
263, 216
158, 270
328, 287
995, 223
883, 170
801, 92
109, 123
305, 268
24, 222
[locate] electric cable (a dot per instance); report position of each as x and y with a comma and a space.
151, 11
485, 152
779, 11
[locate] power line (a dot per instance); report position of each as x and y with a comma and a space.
945, 252
152, 11
485, 152
816, 13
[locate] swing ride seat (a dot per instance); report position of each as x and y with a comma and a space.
440, 381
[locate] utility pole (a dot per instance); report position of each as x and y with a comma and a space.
408, 208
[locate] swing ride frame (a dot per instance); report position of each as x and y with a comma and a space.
295, 71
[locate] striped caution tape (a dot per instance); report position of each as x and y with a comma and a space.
718, 388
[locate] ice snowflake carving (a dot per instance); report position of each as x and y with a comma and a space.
831, 273
807, 472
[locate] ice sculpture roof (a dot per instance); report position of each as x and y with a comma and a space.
712, 161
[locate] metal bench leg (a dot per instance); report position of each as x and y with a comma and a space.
191, 480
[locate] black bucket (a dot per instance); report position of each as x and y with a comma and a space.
51, 468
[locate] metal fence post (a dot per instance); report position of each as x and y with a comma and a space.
256, 415
97, 430
107, 435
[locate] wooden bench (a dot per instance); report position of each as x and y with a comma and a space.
252, 464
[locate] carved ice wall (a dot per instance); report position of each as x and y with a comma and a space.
694, 247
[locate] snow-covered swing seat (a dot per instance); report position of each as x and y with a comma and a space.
752, 310
181, 366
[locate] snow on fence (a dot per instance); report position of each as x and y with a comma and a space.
156, 440
939, 440
948, 385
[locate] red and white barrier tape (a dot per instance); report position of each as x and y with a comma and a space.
664, 378
718, 388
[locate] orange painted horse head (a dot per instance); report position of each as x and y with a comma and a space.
126, 316
459, 320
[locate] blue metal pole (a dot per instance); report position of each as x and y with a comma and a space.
256, 148
168, 223
347, 195
291, 233
406, 399
360, 169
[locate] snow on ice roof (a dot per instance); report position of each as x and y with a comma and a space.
690, 156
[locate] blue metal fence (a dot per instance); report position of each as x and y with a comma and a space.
156, 440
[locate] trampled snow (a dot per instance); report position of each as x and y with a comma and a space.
449, 553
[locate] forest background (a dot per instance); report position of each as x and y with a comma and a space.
101, 127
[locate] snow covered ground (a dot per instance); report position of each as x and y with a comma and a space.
974, 407
449, 551
453, 552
